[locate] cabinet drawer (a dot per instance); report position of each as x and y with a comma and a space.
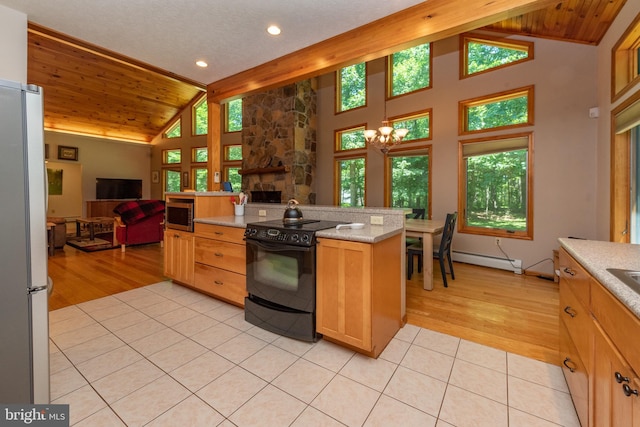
220, 232
576, 375
216, 253
620, 324
221, 283
577, 320
575, 276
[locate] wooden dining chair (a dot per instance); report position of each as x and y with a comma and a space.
444, 250
416, 213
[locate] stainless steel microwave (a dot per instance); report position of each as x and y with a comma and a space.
179, 216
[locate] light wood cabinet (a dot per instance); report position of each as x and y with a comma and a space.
178, 256
599, 349
358, 293
220, 262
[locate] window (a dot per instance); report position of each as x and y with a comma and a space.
171, 157
201, 117
419, 125
408, 179
480, 53
495, 193
172, 180
199, 155
231, 175
174, 131
351, 87
498, 111
232, 163
350, 179
350, 139
626, 60
409, 70
199, 176
233, 116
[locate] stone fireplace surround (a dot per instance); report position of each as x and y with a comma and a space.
279, 141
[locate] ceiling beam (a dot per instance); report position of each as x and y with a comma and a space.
426, 22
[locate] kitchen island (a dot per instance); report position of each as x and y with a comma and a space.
360, 299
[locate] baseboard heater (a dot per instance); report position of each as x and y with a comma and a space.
514, 265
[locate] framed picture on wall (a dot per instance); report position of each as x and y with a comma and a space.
185, 179
67, 153
155, 177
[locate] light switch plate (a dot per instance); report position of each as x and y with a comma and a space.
262, 212
216, 177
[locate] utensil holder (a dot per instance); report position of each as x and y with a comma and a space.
238, 210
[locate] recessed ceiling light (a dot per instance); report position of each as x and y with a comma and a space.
274, 30
202, 64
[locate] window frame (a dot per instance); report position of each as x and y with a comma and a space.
165, 153
462, 190
171, 127
463, 109
226, 116
193, 155
337, 146
230, 164
625, 61
425, 150
194, 168
417, 114
389, 74
466, 38
196, 105
336, 175
338, 89
165, 171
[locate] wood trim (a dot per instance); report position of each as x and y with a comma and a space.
108, 54
623, 56
425, 22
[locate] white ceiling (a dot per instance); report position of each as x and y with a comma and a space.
229, 35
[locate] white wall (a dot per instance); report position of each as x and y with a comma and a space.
564, 75
103, 158
628, 13
13, 45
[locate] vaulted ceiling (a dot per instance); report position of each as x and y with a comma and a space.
92, 90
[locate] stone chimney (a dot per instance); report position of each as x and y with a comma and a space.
279, 141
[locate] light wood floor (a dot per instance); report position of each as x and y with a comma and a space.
516, 313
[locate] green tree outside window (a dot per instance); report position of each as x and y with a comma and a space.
496, 114
410, 70
233, 152
234, 115
352, 86
419, 127
200, 155
234, 178
352, 179
172, 156
201, 117
351, 139
410, 181
172, 181
174, 130
201, 175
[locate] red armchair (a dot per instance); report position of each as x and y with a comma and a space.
138, 222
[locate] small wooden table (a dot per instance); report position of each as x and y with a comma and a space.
92, 222
51, 237
426, 229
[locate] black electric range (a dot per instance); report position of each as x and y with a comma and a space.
301, 233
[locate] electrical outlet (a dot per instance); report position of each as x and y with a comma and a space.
377, 220
262, 212
498, 241
216, 177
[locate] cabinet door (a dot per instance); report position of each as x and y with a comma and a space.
221, 283
575, 374
178, 256
343, 307
616, 402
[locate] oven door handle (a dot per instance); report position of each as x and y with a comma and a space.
278, 247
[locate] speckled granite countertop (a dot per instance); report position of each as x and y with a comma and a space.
596, 256
368, 234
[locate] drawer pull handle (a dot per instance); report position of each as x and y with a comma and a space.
565, 363
628, 391
217, 282
620, 378
570, 311
219, 233
569, 271
219, 254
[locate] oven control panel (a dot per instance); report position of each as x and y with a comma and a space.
291, 237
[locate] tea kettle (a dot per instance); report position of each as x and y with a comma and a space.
292, 214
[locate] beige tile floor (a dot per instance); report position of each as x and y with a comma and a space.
164, 355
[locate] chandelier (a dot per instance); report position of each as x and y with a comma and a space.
385, 137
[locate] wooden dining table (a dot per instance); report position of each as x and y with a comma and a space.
425, 229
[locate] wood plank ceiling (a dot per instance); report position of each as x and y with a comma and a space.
91, 91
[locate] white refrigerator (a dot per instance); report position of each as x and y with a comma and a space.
24, 324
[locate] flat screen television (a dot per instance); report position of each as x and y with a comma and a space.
114, 188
